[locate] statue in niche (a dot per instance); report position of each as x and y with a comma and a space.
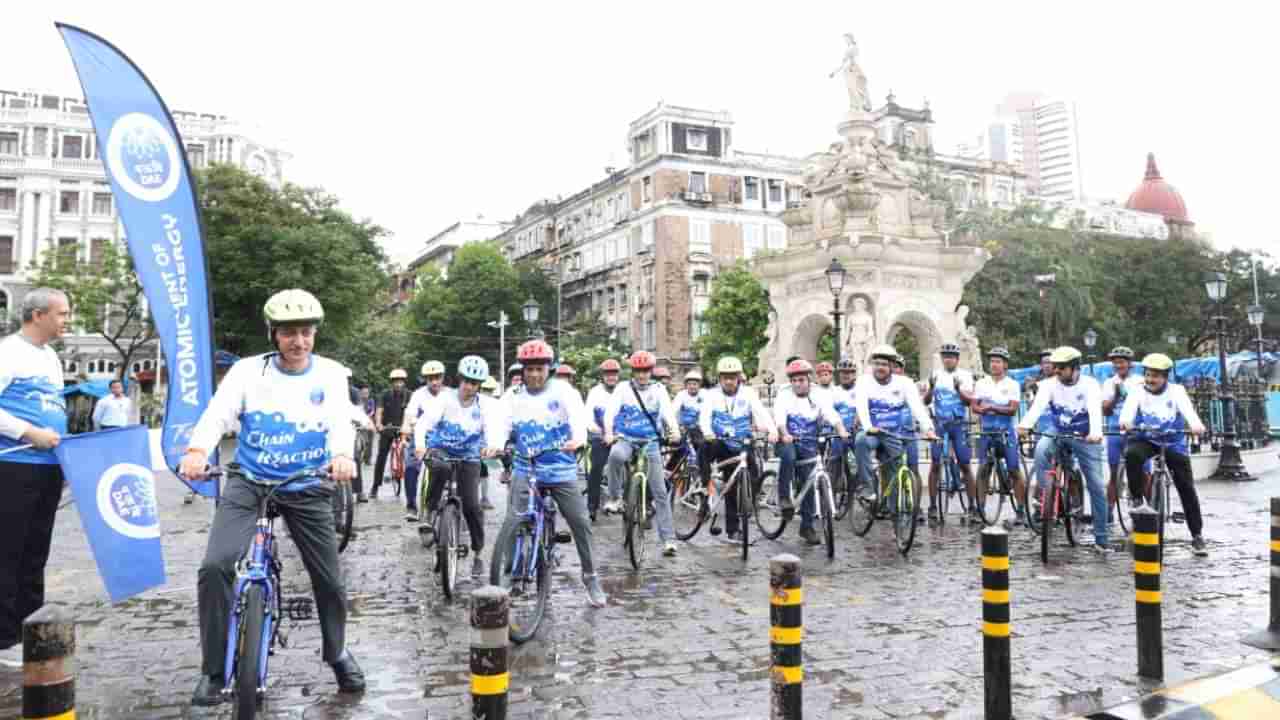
854, 78
970, 349
862, 331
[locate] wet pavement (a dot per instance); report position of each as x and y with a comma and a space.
689, 637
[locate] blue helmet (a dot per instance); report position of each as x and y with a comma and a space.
474, 368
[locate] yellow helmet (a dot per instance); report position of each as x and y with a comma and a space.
489, 385
399, 374
729, 365
432, 367
292, 306
1157, 361
1064, 355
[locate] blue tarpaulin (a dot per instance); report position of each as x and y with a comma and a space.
92, 388
1184, 371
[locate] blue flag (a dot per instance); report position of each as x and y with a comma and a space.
147, 166
115, 491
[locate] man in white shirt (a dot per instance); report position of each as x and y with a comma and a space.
729, 413
995, 401
888, 407
800, 418
432, 386
1114, 391
598, 399
950, 393
113, 410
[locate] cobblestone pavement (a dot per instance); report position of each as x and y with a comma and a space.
688, 637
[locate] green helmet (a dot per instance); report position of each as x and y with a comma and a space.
292, 306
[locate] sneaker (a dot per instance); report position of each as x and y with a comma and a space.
731, 538
613, 507
595, 594
1198, 546
810, 536
411, 515
933, 513
190, 498
1101, 551
477, 566
669, 550
208, 691
361, 498
348, 674
11, 657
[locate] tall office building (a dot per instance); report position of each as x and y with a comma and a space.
1041, 136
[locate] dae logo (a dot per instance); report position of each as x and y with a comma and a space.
143, 157
127, 501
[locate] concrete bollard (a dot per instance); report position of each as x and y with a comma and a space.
996, 656
786, 601
1146, 583
48, 665
1269, 639
490, 653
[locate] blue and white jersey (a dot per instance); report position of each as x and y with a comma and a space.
997, 392
688, 408
729, 418
459, 432
624, 417
540, 424
948, 406
289, 422
1171, 411
803, 418
598, 400
843, 403
30, 396
1125, 387
893, 405
1074, 408
419, 402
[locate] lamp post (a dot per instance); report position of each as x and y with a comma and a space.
501, 324
530, 312
835, 281
1090, 340
571, 266
1255, 319
1230, 464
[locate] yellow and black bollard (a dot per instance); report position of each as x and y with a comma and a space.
1269, 639
996, 656
786, 600
48, 665
1146, 583
490, 655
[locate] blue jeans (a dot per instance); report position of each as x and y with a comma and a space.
883, 446
1090, 458
788, 454
412, 467
616, 469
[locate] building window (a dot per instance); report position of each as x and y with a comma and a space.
8, 199
696, 139
700, 236
72, 147
195, 154
102, 204
775, 191
40, 142
650, 335
701, 285
97, 247
9, 143
699, 326
68, 250
71, 366
752, 240
697, 182
777, 238
6, 268
646, 234
752, 189
795, 195
644, 144
69, 202
622, 296
613, 298
647, 188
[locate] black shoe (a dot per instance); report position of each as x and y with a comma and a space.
208, 691
810, 536
349, 675
361, 498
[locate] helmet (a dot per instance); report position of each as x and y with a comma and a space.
292, 306
399, 374
694, 374
472, 367
1065, 355
884, 352
535, 351
1157, 361
729, 365
825, 366
846, 364
610, 365
1046, 353
566, 370
643, 360
799, 367
949, 349
1121, 352
489, 384
514, 369
1000, 352
433, 367
661, 373
899, 360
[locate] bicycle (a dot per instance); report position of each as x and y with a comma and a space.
1158, 484
698, 500
397, 463
997, 460
819, 483
636, 518
949, 482
525, 554
1059, 498
450, 550
847, 466
344, 508
894, 497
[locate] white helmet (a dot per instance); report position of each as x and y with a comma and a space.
883, 351
291, 306
399, 374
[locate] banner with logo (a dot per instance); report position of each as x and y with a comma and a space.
115, 491
147, 165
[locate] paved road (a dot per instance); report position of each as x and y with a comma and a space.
688, 637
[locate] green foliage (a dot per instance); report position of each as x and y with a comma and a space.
375, 348
906, 343
737, 318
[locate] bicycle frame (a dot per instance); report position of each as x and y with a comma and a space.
823, 455
538, 514
714, 486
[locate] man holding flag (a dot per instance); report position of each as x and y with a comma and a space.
33, 419
294, 412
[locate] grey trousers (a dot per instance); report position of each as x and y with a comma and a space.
309, 516
572, 506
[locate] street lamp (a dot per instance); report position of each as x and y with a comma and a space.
1230, 464
530, 312
1090, 340
1255, 319
835, 280
501, 326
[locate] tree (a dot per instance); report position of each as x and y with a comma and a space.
106, 296
375, 348
737, 318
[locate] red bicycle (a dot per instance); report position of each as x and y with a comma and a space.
397, 463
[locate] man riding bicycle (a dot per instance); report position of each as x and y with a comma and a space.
688, 408
996, 402
800, 417
1114, 391
598, 400
890, 403
386, 421
1160, 404
636, 416
294, 413
547, 421
422, 399
950, 394
1074, 405
729, 412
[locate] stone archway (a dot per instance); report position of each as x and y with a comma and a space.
807, 333
926, 333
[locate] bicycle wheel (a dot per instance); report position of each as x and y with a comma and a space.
990, 498
746, 508
689, 506
827, 506
862, 507
520, 567
1049, 499
249, 651
840, 482
1073, 519
344, 509
1123, 503
1032, 500
1160, 493
768, 508
424, 483
447, 547
638, 511
904, 510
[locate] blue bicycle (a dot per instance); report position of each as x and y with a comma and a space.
949, 482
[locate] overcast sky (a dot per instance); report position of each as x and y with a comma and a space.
417, 117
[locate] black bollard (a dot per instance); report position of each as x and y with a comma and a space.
1269, 639
996, 657
48, 665
786, 600
490, 658
1146, 583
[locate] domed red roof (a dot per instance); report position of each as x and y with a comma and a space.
1155, 195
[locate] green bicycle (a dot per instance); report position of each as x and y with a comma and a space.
895, 496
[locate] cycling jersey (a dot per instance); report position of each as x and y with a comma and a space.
688, 408
460, 432
1126, 386
625, 418
891, 405
30, 396
728, 418
418, 403
1075, 408
802, 417
1170, 410
948, 406
538, 423
289, 421
992, 392
597, 401
845, 406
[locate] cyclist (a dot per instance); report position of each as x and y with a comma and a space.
729, 412
515, 377
995, 400
888, 402
1165, 405
429, 393
688, 408
490, 387
913, 448
1074, 404
637, 414
800, 417
387, 419
950, 394
597, 401
662, 376
544, 417
458, 427
294, 413
1032, 385
566, 373
1114, 391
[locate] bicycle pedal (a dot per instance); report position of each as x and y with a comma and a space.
299, 608
562, 537
1177, 517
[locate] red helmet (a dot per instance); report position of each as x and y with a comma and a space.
825, 366
661, 373
799, 366
610, 365
643, 360
566, 370
534, 351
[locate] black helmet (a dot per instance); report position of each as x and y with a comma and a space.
950, 349
1045, 353
1120, 352
1000, 352
846, 364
